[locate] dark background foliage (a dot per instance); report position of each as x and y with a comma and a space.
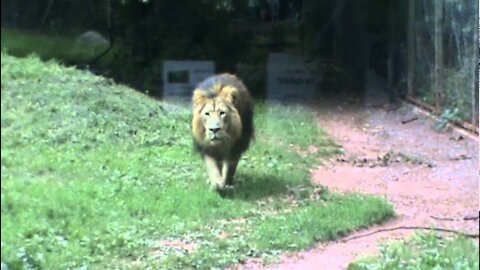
344, 42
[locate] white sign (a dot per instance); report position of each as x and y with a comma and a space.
288, 77
181, 77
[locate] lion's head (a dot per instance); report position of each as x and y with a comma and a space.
216, 120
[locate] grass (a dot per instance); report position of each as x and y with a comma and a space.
49, 46
424, 251
95, 175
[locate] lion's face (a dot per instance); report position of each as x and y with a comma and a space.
216, 117
216, 122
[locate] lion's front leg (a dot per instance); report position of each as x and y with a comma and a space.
228, 171
215, 177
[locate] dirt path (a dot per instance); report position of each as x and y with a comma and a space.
426, 175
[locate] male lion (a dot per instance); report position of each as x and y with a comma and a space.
222, 126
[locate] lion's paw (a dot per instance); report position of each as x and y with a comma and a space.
226, 190
217, 185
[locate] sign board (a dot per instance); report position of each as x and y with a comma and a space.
288, 78
181, 77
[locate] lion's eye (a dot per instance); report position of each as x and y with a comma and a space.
206, 113
222, 113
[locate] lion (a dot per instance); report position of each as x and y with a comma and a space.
222, 126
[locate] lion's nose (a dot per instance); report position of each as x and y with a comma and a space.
215, 129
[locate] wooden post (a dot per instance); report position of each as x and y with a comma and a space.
411, 47
438, 43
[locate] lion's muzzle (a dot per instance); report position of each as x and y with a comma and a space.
214, 129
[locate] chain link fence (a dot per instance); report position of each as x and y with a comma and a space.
442, 58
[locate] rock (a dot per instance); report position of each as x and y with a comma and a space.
91, 43
92, 38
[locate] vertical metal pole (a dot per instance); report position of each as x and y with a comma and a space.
476, 42
411, 47
438, 43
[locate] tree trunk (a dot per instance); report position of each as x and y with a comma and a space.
358, 47
391, 47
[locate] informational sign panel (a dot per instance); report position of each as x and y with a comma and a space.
288, 78
181, 77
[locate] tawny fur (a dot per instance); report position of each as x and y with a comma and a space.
223, 104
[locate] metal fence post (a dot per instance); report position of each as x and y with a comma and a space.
411, 47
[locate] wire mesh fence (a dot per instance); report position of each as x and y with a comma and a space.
443, 57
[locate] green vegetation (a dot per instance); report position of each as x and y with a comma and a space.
94, 174
47, 47
424, 251
456, 97
458, 101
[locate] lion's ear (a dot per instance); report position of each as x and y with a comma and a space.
230, 94
199, 98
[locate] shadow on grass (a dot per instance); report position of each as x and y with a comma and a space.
252, 187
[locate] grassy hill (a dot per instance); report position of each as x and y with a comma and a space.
95, 175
